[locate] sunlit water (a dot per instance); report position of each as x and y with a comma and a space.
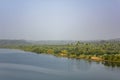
20, 65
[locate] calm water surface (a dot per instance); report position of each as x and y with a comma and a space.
20, 65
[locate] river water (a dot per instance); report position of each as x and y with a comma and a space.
20, 65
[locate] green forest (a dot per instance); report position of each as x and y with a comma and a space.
94, 50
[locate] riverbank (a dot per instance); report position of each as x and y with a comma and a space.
92, 57
99, 58
99, 51
64, 53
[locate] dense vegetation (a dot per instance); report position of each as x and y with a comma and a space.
96, 50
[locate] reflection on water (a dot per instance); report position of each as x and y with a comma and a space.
78, 65
111, 64
106, 63
24, 67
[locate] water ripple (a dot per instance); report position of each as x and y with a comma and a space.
31, 68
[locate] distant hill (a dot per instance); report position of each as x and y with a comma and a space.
14, 42
117, 39
52, 42
49, 42
28, 42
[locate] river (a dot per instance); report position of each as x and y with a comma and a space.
21, 65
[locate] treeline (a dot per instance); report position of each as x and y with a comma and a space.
96, 50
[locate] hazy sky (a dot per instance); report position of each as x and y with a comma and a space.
59, 19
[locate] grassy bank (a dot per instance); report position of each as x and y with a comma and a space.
100, 51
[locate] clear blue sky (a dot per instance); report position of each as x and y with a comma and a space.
59, 19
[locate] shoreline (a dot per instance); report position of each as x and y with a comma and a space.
99, 58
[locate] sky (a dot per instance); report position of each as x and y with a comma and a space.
60, 19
